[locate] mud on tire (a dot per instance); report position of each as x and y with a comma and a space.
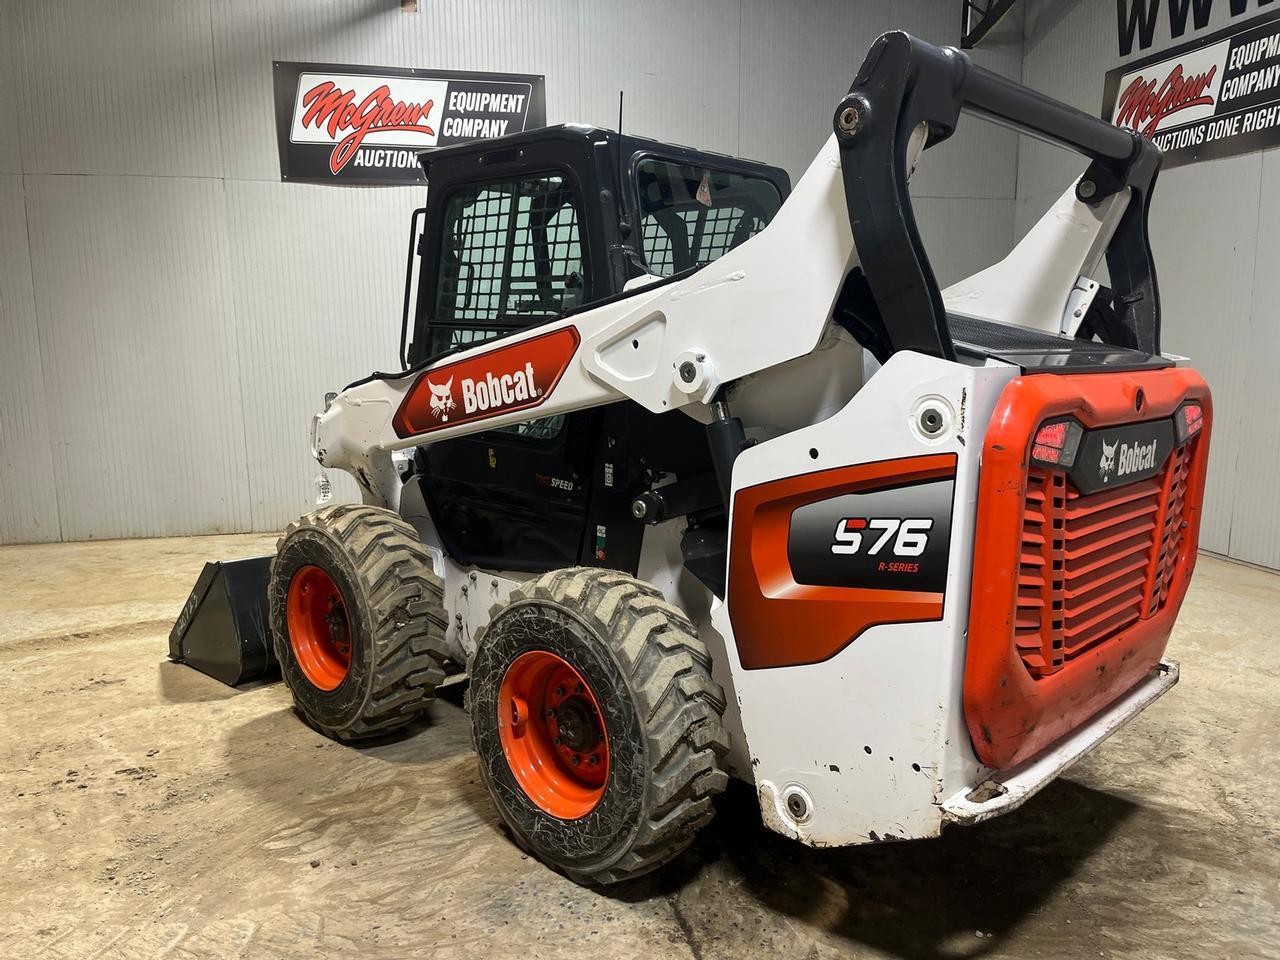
643, 664
382, 584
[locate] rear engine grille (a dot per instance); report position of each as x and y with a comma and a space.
1093, 565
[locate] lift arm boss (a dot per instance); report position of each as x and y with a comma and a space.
694, 482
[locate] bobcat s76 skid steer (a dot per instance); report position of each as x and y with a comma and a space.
637, 482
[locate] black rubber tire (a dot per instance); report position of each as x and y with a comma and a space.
394, 603
662, 714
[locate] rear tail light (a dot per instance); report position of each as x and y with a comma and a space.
1188, 421
1056, 442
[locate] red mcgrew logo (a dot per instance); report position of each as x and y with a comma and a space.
1143, 104
334, 109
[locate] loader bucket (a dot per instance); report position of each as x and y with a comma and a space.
223, 630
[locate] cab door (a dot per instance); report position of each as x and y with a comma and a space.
511, 255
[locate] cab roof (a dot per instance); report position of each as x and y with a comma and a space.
585, 134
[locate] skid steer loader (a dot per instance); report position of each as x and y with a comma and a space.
695, 475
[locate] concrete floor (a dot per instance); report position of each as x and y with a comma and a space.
147, 811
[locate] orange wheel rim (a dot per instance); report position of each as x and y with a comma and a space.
319, 627
553, 735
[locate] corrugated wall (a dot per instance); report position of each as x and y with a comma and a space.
171, 314
1215, 227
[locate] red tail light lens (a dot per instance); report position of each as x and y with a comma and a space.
1188, 421
1056, 442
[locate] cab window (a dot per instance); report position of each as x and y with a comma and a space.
511, 253
691, 215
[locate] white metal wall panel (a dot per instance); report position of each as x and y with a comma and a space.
138, 345
28, 504
10, 148
676, 61
1205, 240
117, 87
516, 36
796, 61
315, 309
963, 235
1255, 516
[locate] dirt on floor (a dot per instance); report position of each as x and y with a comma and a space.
149, 811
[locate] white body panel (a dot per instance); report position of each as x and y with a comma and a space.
1030, 287
896, 688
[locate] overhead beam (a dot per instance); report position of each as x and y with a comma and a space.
979, 18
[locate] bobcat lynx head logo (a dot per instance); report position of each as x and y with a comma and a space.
441, 398
1108, 461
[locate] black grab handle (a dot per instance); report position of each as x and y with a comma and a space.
905, 82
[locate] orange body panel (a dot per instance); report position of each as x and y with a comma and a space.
1017, 702
778, 622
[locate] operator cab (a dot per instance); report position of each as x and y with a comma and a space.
526, 228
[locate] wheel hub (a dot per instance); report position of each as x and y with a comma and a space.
576, 725
319, 627
336, 621
553, 734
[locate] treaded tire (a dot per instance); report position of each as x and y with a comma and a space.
651, 675
395, 611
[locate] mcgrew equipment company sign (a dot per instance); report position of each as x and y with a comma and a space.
1213, 97
357, 124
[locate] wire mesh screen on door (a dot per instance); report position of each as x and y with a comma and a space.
512, 251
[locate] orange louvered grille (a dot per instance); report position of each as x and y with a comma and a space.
1092, 565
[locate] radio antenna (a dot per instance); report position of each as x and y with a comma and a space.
624, 224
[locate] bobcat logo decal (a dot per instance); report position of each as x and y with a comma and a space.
442, 399
1108, 461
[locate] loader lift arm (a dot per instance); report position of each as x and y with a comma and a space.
673, 344
906, 83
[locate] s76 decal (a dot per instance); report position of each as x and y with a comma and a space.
894, 538
910, 536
